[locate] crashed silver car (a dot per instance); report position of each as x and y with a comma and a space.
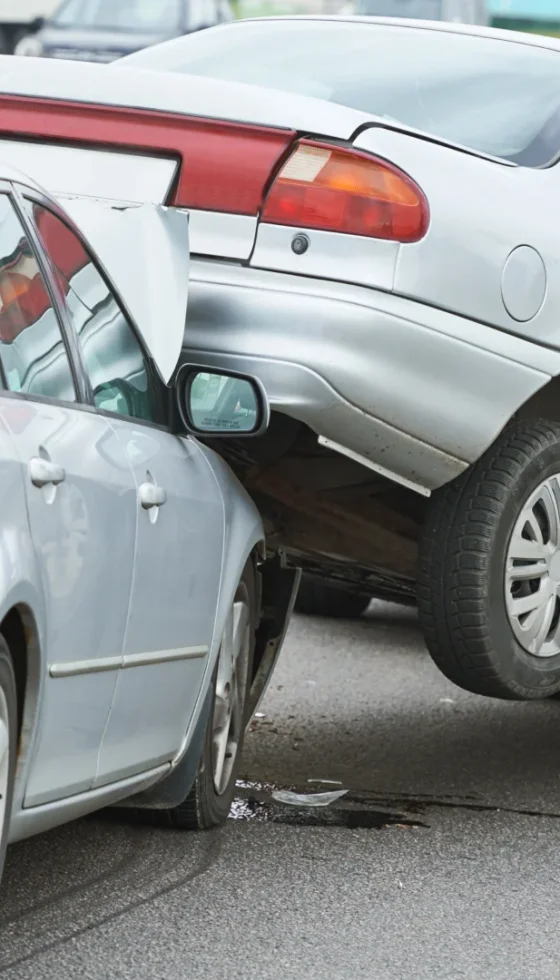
139, 619
372, 211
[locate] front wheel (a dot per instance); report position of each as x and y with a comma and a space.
489, 572
209, 802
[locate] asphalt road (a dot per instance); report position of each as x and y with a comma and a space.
441, 862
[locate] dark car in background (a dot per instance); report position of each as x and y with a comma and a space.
104, 30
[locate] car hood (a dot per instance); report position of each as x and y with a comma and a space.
144, 250
95, 45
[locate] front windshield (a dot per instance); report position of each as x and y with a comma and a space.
498, 97
416, 9
158, 16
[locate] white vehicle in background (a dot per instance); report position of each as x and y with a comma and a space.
456, 11
21, 17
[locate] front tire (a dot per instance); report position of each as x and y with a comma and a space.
8, 744
209, 802
489, 570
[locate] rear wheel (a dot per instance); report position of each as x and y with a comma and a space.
8, 743
489, 576
209, 802
323, 599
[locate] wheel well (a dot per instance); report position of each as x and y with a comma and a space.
544, 404
14, 628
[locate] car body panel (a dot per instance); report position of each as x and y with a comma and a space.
179, 553
244, 540
437, 389
38, 819
152, 238
329, 255
108, 174
73, 528
475, 196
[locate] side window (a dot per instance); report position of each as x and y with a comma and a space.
112, 355
33, 354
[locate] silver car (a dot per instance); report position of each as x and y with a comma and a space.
139, 620
372, 210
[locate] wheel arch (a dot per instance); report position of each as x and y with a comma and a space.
544, 404
20, 630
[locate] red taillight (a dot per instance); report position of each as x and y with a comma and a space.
335, 189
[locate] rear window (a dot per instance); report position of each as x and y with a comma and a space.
494, 96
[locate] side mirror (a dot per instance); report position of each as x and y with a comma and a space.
221, 403
36, 25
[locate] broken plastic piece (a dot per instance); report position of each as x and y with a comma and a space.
326, 782
307, 799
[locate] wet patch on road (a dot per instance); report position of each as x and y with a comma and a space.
358, 809
355, 811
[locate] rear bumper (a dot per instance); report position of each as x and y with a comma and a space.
419, 392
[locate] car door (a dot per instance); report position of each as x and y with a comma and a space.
180, 529
80, 498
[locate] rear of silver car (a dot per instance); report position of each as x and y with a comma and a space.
381, 340
377, 247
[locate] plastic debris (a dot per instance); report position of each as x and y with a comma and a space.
307, 799
260, 714
326, 782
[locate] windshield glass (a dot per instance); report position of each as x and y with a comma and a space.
121, 15
419, 9
498, 97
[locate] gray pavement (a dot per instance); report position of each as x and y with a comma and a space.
442, 862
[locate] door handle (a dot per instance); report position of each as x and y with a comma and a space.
151, 496
44, 473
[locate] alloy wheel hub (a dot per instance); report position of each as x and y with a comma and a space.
532, 574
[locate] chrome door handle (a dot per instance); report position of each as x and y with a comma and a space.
151, 496
44, 473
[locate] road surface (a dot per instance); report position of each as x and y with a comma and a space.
441, 862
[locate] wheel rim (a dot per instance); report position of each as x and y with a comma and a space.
231, 687
532, 577
4, 757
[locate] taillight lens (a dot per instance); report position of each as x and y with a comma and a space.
335, 189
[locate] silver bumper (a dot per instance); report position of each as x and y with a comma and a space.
419, 392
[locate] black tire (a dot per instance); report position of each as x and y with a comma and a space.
322, 599
8, 688
203, 808
463, 549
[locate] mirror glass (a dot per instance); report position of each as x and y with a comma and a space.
220, 403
